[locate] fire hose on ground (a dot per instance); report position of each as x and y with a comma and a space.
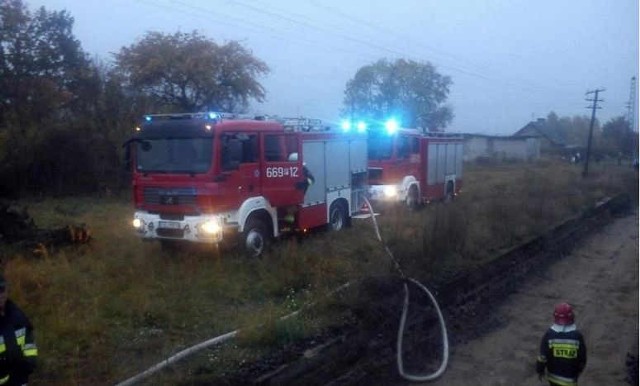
400, 339
405, 309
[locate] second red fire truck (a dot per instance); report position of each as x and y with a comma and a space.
206, 177
411, 166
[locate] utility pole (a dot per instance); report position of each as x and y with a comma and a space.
631, 117
593, 108
631, 105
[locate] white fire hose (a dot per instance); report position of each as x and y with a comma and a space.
403, 318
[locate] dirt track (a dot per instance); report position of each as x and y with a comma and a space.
600, 278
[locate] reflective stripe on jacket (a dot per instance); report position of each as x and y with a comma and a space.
18, 350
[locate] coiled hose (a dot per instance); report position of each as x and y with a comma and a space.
405, 309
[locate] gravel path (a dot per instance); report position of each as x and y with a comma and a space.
600, 278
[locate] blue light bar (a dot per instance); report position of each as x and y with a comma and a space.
362, 127
346, 125
392, 126
213, 115
147, 118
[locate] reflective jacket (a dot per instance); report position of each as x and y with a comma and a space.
563, 354
18, 351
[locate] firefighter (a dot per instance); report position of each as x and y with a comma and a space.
302, 185
18, 351
563, 352
308, 177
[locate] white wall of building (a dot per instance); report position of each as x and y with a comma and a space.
501, 148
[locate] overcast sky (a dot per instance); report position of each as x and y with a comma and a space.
511, 61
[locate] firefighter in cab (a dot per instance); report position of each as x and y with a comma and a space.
18, 349
563, 353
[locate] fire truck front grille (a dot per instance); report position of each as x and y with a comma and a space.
175, 233
176, 196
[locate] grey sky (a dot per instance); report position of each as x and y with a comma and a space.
510, 60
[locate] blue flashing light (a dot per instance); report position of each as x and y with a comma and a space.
392, 126
147, 118
361, 126
213, 115
346, 125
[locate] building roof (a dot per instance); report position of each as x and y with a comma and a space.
541, 129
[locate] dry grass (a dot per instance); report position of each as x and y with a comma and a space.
108, 310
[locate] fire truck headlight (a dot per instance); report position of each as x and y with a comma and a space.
211, 227
137, 223
390, 191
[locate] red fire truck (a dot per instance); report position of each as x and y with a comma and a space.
413, 167
205, 177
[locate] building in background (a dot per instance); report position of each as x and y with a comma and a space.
551, 140
501, 148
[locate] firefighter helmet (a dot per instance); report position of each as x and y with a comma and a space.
563, 314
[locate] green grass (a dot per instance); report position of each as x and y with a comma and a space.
110, 309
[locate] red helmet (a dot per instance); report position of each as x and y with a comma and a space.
563, 314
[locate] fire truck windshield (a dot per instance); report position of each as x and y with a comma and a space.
174, 155
380, 147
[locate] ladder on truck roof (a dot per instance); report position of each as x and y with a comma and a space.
206, 115
291, 124
303, 124
432, 134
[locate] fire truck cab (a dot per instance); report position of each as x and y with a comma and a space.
413, 167
208, 177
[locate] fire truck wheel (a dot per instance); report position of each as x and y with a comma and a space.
412, 200
337, 217
255, 237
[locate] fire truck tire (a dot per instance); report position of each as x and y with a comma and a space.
413, 198
337, 217
255, 237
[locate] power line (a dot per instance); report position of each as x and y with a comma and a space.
272, 14
283, 15
394, 51
387, 31
264, 9
527, 86
240, 23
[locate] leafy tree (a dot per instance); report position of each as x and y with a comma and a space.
41, 68
411, 90
619, 137
189, 72
574, 130
40, 64
62, 117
